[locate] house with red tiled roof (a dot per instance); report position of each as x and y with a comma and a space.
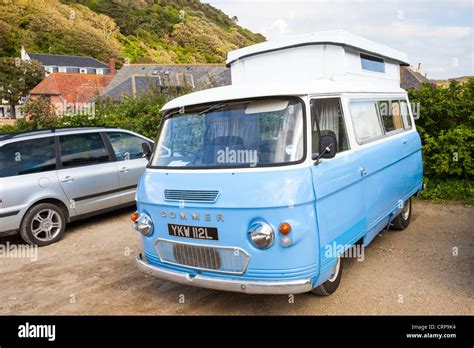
71, 93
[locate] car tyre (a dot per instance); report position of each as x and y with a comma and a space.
330, 285
403, 219
43, 224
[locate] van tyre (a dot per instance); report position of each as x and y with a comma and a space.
403, 219
43, 224
330, 285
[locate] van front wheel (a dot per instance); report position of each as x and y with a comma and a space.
403, 219
330, 285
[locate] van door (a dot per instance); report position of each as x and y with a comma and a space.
337, 184
87, 173
382, 162
130, 162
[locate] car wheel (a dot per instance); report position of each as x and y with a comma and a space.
330, 285
43, 224
403, 219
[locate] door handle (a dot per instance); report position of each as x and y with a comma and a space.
124, 170
67, 179
404, 141
362, 170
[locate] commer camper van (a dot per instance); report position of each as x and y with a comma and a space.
261, 186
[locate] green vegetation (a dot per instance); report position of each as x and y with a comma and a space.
446, 127
143, 31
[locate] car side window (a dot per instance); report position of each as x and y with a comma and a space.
390, 113
126, 146
82, 149
327, 114
27, 157
366, 121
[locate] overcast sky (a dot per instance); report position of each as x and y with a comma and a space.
438, 34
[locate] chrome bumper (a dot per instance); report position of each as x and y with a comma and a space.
225, 284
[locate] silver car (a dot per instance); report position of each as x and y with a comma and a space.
50, 177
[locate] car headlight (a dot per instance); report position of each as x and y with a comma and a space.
261, 235
144, 225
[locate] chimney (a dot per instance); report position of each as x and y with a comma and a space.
23, 54
112, 70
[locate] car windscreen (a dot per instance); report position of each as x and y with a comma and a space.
251, 133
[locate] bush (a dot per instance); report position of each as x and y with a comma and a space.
446, 129
449, 155
451, 189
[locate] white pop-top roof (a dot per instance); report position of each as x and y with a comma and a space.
320, 63
330, 37
234, 92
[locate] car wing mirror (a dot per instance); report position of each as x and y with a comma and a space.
146, 150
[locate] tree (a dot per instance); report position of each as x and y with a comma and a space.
17, 78
41, 112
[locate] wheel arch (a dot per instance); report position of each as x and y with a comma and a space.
55, 201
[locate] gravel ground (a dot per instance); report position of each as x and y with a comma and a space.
91, 271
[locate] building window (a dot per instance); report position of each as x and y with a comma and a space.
372, 63
83, 71
185, 80
62, 69
99, 71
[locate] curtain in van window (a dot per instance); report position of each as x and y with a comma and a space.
330, 117
328, 114
405, 114
366, 120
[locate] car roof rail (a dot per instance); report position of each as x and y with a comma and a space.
6, 136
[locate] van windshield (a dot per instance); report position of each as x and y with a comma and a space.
251, 133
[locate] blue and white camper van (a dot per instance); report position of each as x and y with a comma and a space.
312, 145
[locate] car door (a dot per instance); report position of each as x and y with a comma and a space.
87, 172
27, 174
130, 162
337, 183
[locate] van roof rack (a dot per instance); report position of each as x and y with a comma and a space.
6, 136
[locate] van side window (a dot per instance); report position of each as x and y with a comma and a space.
405, 114
391, 115
366, 121
26, 157
328, 114
82, 149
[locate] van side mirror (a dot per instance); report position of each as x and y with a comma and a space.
327, 145
146, 150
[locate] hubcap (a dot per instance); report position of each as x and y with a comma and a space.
46, 225
406, 210
336, 270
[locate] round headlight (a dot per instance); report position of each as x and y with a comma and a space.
261, 234
144, 225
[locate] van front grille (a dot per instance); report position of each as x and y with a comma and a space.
203, 257
205, 196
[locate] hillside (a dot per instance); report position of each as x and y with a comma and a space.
462, 79
144, 31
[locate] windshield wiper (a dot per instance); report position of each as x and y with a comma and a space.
212, 107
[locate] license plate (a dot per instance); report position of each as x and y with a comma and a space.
196, 232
